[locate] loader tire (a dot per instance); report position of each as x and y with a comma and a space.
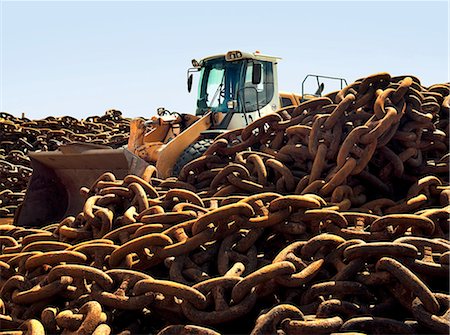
192, 152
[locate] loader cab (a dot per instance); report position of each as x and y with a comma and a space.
242, 86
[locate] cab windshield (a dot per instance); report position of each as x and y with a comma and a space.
219, 83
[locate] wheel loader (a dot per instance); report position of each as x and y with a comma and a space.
234, 90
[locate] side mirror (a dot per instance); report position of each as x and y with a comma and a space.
256, 74
189, 83
320, 90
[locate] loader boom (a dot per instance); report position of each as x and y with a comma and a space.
170, 153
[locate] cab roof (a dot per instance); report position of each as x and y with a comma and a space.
235, 55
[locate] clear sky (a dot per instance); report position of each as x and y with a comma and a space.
82, 58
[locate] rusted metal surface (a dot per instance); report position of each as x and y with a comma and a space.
20, 136
331, 220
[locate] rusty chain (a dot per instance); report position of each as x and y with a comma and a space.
18, 136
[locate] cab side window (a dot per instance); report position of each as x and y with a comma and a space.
257, 96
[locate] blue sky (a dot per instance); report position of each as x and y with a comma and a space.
82, 58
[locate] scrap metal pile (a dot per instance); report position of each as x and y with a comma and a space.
18, 136
331, 218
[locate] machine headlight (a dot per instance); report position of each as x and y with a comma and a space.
233, 55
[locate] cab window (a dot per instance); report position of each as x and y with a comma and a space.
218, 85
256, 96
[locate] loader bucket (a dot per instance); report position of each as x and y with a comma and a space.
53, 191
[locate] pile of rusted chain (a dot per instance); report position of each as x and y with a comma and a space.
18, 136
254, 238
145, 255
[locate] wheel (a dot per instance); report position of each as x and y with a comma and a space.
192, 152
